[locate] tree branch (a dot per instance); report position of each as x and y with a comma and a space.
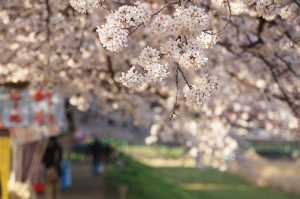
176, 98
228, 21
296, 2
185, 79
156, 13
285, 96
288, 65
112, 73
273, 74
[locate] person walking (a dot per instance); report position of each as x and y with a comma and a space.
96, 150
52, 161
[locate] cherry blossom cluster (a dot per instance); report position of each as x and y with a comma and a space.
185, 34
189, 55
149, 60
200, 95
185, 44
207, 40
113, 34
171, 48
132, 79
189, 21
192, 18
217, 147
192, 56
185, 25
162, 24
266, 8
83, 5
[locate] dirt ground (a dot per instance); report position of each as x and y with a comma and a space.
84, 184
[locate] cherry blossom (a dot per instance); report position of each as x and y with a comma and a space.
171, 48
251, 46
83, 5
132, 79
112, 37
199, 95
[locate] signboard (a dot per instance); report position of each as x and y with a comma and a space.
19, 109
30, 117
5, 162
16, 110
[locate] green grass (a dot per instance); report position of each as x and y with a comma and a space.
155, 151
146, 182
143, 182
76, 157
221, 185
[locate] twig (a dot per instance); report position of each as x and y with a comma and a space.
185, 79
186, 41
46, 68
49, 12
228, 21
296, 2
280, 97
112, 73
135, 29
82, 36
156, 13
176, 98
288, 65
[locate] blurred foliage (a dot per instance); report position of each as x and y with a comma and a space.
76, 157
279, 149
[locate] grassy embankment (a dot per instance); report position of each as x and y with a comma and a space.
146, 182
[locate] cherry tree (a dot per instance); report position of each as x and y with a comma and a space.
201, 72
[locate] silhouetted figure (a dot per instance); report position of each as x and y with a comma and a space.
52, 161
96, 150
107, 151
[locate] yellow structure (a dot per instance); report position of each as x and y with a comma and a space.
4, 165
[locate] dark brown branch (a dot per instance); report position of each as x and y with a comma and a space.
15, 85
260, 29
228, 21
176, 98
135, 29
156, 13
296, 2
112, 73
288, 65
284, 96
46, 67
82, 35
252, 85
174, 3
185, 79
186, 41
48, 20
283, 92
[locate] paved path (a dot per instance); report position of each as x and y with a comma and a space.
84, 184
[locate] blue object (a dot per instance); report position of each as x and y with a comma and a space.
66, 178
98, 168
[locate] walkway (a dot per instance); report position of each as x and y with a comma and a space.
84, 184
